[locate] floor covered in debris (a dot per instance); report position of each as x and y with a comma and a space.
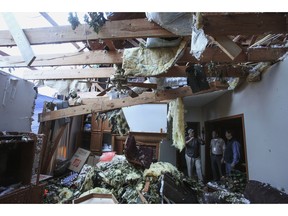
130, 184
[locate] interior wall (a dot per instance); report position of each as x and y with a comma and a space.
17, 98
264, 105
193, 114
147, 117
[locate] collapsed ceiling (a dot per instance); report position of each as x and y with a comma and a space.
158, 48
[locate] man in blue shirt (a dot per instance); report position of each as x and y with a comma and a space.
231, 153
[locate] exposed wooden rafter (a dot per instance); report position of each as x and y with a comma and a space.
122, 29
101, 104
106, 72
214, 24
214, 54
244, 23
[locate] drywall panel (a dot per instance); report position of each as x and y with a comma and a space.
147, 117
17, 97
265, 108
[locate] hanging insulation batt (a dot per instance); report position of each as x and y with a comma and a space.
176, 114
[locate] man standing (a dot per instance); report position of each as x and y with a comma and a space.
217, 146
192, 154
231, 153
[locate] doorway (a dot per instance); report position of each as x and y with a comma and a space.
234, 123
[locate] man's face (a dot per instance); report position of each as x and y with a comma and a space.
228, 135
214, 134
191, 133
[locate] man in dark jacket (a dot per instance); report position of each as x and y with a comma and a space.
192, 154
231, 153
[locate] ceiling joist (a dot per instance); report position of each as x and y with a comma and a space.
101, 104
213, 24
106, 72
244, 23
211, 54
121, 29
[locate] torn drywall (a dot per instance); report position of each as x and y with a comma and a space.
17, 98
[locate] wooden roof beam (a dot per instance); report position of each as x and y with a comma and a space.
111, 30
211, 54
244, 23
101, 104
106, 72
214, 24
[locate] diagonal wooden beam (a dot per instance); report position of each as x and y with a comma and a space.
104, 104
211, 54
110, 45
54, 147
19, 38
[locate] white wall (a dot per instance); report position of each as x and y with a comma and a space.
193, 114
265, 108
17, 98
147, 117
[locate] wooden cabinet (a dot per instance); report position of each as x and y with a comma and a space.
96, 142
100, 134
17, 154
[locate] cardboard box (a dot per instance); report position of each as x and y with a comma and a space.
95, 198
78, 159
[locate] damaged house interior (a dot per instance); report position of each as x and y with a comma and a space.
97, 107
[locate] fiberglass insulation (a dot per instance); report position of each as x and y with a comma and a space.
145, 62
176, 114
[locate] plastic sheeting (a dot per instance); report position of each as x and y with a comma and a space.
199, 42
177, 23
158, 42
